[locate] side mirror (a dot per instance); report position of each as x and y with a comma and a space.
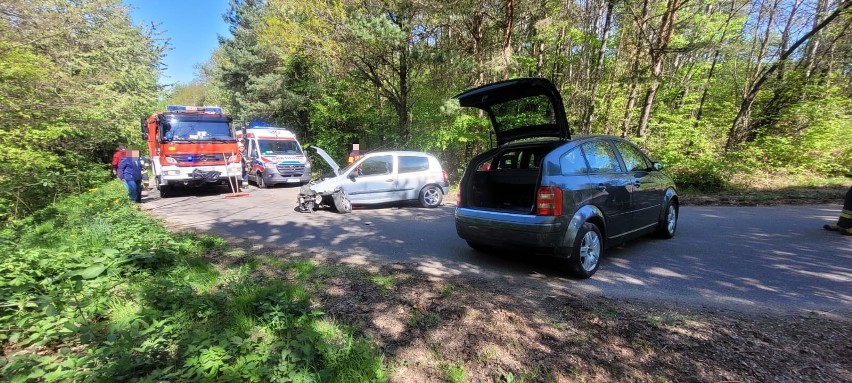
351, 176
657, 166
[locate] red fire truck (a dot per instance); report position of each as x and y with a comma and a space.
191, 146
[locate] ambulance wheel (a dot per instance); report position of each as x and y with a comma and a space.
341, 202
260, 182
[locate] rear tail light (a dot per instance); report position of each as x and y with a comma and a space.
548, 201
446, 178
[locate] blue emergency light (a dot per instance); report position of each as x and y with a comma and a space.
203, 109
258, 124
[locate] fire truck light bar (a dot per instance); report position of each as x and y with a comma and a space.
203, 109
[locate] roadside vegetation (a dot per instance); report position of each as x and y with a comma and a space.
92, 289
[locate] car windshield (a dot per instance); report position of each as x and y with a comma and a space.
524, 112
198, 130
349, 167
279, 147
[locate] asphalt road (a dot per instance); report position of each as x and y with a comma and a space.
752, 258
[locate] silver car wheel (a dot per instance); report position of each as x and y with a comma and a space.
430, 196
590, 251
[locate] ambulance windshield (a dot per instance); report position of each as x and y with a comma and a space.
279, 147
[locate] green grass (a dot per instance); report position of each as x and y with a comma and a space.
107, 294
386, 283
454, 373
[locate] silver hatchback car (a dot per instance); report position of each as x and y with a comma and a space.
378, 178
539, 188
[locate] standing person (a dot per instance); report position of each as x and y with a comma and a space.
243, 164
844, 223
120, 152
130, 171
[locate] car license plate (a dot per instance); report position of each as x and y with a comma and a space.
292, 180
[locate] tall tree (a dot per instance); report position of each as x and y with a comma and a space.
740, 127
658, 46
74, 77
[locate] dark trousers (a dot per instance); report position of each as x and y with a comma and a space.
845, 220
134, 190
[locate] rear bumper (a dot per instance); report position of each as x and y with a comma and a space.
508, 229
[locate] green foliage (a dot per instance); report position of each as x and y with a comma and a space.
455, 373
382, 74
110, 295
75, 77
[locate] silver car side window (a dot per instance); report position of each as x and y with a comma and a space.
410, 164
377, 166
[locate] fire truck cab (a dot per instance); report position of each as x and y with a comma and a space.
191, 146
274, 156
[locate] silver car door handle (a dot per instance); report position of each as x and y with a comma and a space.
390, 180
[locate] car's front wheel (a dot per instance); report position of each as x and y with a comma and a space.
341, 202
431, 196
586, 252
667, 226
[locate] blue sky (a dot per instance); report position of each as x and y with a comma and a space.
192, 27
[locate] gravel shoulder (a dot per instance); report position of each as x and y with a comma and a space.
487, 330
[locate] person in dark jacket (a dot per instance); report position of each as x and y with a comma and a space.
844, 223
130, 171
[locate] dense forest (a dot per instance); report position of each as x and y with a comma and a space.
710, 88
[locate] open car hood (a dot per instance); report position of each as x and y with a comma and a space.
520, 108
327, 158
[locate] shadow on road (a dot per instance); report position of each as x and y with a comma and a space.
748, 257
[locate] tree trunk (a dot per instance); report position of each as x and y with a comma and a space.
658, 49
785, 34
712, 70
598, 69
508, 24
641, 25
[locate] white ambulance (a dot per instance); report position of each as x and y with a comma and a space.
274, 156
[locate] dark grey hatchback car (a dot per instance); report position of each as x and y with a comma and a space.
566, 197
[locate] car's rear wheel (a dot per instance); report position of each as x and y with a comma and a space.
667, 226
341, 202
586, 252
431, 196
